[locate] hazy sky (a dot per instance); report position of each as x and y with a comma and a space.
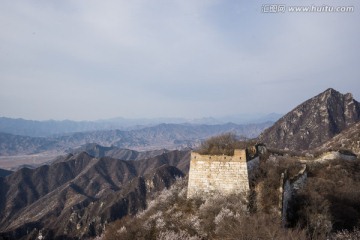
86, 60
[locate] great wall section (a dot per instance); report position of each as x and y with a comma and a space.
221, 174
212, 175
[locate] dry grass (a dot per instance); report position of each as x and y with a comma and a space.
172, 216
327, 207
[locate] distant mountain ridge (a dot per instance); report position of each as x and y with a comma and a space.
14, 144
99, 151
48, 128
313, 122
169, 136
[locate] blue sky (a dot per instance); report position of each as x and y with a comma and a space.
87, 60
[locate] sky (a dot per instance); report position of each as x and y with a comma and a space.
88, 60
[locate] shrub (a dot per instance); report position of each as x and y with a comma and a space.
223, 144
171, 216
327, 207
330, 200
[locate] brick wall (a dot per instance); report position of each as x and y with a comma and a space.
210, 174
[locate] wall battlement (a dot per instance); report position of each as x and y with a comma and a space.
210, 174
239, 156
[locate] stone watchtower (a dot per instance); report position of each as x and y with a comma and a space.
210, 174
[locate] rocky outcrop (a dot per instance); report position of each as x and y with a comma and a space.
313, 122
349, 139
4, 173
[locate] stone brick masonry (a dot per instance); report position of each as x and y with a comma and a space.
210, 174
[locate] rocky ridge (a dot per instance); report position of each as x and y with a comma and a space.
349, 139
76, 197
313, 122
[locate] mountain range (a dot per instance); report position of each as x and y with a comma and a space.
97, 180
49, 128
76, 197
169, 136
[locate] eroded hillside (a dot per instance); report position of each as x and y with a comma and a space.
313, 122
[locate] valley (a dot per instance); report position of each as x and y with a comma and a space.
93, 184
18, 150
179, 120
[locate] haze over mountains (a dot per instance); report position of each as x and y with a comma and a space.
170, 136
49, 128
98, 181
